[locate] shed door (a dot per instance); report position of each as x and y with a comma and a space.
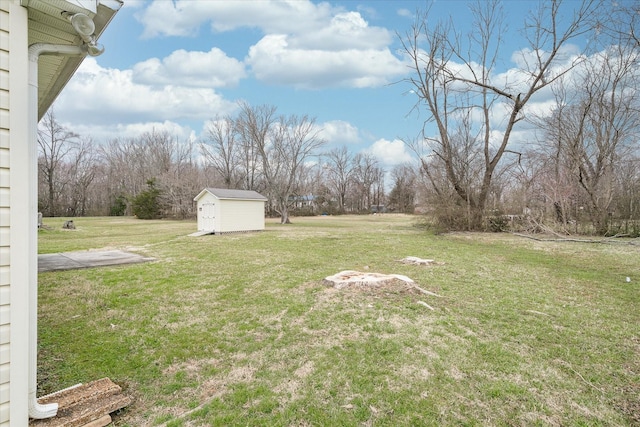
209, 216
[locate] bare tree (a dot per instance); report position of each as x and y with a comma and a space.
254, 125
158, 156
368, 179
293, 141
340, 173
222, 150
621, 21
158, 151
595, 126
403, 194
282, 145
627, 195
118, 159
83, 166
181, 182
455, 79
55, 142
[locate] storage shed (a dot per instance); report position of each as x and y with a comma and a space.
222, 210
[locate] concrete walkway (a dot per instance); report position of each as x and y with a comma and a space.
87, 259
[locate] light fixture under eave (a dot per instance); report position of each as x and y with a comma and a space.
85, 27
95, 49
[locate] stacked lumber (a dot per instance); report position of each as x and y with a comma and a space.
84, 405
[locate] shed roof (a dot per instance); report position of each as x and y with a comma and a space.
225, 193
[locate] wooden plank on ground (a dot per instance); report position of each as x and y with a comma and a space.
84, 405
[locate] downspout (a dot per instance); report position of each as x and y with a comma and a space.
37, 410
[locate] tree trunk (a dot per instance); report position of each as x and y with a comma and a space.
284, 212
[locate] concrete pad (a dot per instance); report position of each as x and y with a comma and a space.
87, 259
201, 233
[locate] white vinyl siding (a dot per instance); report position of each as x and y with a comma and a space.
14, 319
5, 325
240, 215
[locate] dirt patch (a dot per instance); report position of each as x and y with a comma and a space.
629, 404
191, 367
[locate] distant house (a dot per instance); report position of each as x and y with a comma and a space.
301, 202
222, 210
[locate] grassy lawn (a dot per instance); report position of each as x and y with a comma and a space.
239, 330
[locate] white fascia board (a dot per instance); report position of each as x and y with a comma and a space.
200, 194
90, 6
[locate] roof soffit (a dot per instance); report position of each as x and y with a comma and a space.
47, 25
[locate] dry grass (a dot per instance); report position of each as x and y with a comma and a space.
240, 330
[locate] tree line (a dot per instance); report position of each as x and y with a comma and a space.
156, 175
577, 169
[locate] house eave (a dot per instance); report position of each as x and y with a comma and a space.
47, 25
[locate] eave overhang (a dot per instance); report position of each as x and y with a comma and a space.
48, 25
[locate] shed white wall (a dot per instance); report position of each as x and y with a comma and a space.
14, 218
240, 215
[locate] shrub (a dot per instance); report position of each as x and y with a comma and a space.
498, 224
146, 205
119, 206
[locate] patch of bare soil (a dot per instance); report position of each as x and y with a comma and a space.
629, 401
629, 404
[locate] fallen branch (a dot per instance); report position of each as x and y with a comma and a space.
424, 291
589, 383
426, 305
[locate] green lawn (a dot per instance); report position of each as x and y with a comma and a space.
239, 330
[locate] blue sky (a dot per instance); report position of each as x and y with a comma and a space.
176, 64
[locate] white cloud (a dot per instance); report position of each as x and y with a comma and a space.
390, 153
132, 130
528, 59
344, 31
305, 45
194, 69
97, 95
339, 132
273, 61
185, 17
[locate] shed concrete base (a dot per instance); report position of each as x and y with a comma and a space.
201, 233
